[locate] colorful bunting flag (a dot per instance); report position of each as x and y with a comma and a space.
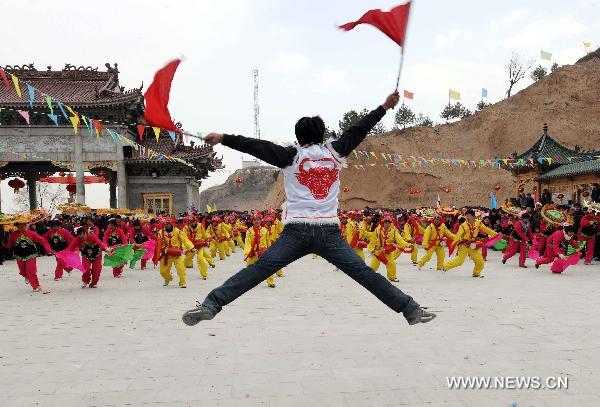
16, 83
141, 129
54, 118
484, 92
4, 78
25, 115
49, 103
171, 134
156, 132
62, 110
74, 121
31, 92
409, 95
586, 44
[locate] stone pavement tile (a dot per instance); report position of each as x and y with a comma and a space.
332, 340
382, 398
43, 400
326, 399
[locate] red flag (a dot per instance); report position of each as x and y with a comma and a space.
408, 95
141, 128
392, 23
157, 98
4, 78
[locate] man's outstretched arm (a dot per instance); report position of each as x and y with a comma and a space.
267, 151
352, 137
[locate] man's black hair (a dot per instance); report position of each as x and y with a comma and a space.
470, 212
569, 228
525, 216
310, 130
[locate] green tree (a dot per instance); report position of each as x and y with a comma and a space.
456, 111
448, 112
353, 116
554, 67
404, 116
538, 73
348, 120
330, 133
423, 121
481, 105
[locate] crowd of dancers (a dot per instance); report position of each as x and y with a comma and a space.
542, 235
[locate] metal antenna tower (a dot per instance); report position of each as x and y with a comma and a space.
256, 108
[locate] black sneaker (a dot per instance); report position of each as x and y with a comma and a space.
200, 313
420, 316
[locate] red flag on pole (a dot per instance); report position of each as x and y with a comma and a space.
392, 23
408, 95
157, 98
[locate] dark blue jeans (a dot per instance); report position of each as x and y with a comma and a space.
298, 240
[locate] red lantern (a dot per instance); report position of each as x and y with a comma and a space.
447, 190
534, 189
72, 188
238, 181
346, 189
585, 194
497, 187
521, 189
2, 176
16, 184
414, 191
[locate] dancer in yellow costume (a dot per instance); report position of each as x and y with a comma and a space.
412, 229
257, 242
469, 244
238, 228
355, 236
384, 241
172, 244
198, 236
218, 238
433, 239
228, 225
274, 233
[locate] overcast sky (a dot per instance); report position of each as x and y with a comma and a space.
306, 66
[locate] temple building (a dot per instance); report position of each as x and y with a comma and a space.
138, 178
549, 165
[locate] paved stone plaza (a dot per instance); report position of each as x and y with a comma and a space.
318, 339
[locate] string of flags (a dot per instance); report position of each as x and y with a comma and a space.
93, 126
399, 161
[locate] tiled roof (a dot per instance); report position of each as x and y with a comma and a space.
166, 146
76, 87
571, 170
546, 146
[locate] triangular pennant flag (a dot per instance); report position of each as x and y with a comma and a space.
98, 126
141, 129
113, 135
156, 132
16, 83
74, 113
355, 153
25, 115
171, 134
49, 103
74, 122
5, 79
374, 155
54, 118
31, 92
62, 110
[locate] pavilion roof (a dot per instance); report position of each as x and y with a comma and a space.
74, 86
572, 170
545, 147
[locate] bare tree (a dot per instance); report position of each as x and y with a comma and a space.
517, 69
49, 196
